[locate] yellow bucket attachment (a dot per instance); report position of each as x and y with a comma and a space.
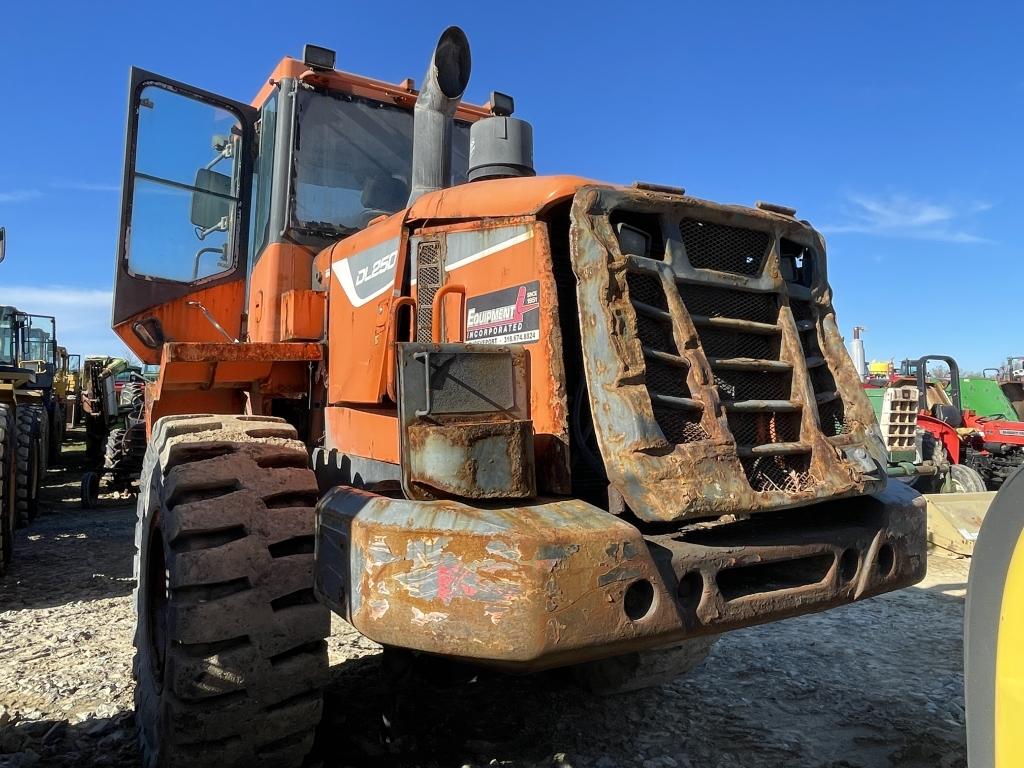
954, 519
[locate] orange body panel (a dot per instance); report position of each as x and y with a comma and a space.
180, 322
283, 267
500, 197
358, 332
370, 433
303, 315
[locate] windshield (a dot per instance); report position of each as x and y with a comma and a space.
6, 335
353, 160
38, 343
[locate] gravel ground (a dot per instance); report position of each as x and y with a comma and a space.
874, 684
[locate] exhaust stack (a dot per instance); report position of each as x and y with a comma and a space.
443, 86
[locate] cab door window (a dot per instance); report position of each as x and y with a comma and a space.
185, 196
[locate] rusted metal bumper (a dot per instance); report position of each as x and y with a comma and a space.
558, 582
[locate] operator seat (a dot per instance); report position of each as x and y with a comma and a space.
949, 414
382, 195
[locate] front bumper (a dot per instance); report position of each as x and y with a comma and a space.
560, 581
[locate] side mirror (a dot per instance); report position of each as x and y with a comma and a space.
212, 205
3, 238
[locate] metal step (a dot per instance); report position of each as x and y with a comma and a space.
825, 397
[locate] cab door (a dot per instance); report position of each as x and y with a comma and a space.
180, 272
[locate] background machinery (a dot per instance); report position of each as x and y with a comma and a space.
22, 431
39, 353
553, 421
112, 399
993, 446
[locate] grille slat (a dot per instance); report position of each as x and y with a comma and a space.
711, 301
723, 248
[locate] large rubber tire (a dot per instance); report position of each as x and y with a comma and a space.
645, 669
7, 513
43, 418
229, 643
56, 435
114, 453
29, 469
133, 395
964, 479
89, 490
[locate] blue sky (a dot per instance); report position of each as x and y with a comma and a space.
894, 127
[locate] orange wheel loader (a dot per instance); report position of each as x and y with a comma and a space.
516, 420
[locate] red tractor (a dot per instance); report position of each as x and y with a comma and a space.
991, 446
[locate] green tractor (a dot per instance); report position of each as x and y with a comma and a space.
999, 395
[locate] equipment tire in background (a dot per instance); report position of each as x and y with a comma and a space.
997, 573
56, 435
7, 513
89, 490
28, 454
964, 479
230, 651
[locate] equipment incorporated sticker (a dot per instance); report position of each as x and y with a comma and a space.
508, 316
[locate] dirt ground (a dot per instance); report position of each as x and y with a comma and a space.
874, 684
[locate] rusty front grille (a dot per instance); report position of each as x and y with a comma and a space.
710, 301
738, 330
789, 474
665, 378
679, 427
722, 342
655, 334
802, 310
833, 418
724, 248
765, 427
754, 385
646, 289
831, 408
664, 375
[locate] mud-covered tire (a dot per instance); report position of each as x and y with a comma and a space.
114, 454
964, 479
89, 490
230, 652
29, 471
7, 513
43, 418
644, 669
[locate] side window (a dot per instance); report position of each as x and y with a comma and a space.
185, 200
264, 178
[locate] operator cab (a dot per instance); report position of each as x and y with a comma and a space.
212, 185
